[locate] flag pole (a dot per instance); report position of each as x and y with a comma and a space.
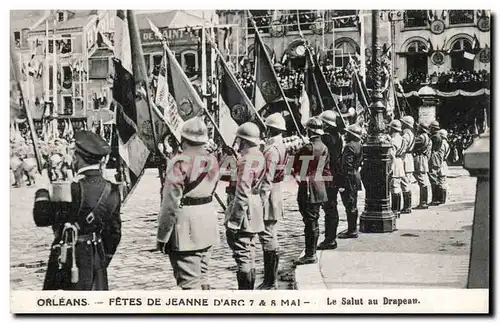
217, 51
14, 65
257, 35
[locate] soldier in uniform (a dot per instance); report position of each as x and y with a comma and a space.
435, 162
85, 219
186, 231
445, 147
276, 159
312, 191
333, 141
350, 180
397, 168
409, 142
421, 152
244, 216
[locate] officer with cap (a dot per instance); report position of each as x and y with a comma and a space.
85, 218
312, 191
445, 150
244, 215
435, 162
422, 152
350, 179
186, 231
271, 193
333, 141
409, 142
396, 152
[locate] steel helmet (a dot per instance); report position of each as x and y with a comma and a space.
276, 121
396, 125
355, 130
434, 125
424, 126
250, 132
329, 117
315, 125
443, 133
408, 120
195, 130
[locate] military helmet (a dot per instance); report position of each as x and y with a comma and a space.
250, 132
329, 117
408, 120
315, 125
424, 126
276, 121
443, 133
396, 125
355, 130
434, 125
195, 130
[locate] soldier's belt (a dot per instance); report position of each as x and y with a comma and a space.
196, 200
89, 238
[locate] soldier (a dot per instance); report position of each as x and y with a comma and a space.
349, 180
186, 231
409, 142
421, 152
444, 166
85, 219
397, 168
435, 162
312, 191
333, 141
244, 216
276, 158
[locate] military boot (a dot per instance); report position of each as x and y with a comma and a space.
244, 280
443, 195
205, 287
423, 198
435, 195
406, 203
311, 237
352, 226
270, 266
396, 204
253, 276
331, 225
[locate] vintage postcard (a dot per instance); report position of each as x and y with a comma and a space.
250, 161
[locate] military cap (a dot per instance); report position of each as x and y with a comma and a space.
276, 121
408, 120
195, 130
90, 145
315, 125
434, 125
396, 125
355, 130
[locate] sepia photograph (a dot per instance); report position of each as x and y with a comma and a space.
327, 161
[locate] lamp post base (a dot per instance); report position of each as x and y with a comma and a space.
377, 223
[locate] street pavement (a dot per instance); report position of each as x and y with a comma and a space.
138, 266
430, 249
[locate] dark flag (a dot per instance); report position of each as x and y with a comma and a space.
240, 106
132, 146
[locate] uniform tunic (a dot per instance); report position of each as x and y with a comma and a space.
271, 190
409, 162
422, 152
444, 166
186, 231
396, 152
349, 178
244, 216
93, 254
436, 158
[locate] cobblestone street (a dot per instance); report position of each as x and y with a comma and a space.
138, 266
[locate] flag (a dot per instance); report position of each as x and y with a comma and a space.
429, 48
267, 89
476, 47
240, 106
305, 110
71, 132
132, 144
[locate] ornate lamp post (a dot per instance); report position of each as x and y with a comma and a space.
377, 216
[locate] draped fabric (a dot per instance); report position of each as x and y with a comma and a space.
448, 94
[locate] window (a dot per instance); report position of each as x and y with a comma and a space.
51, 83
262, 19
347, 18
416, 62
156, 63
189, 62
60, 16
67, 77
458, 60
67, 105
415, 18
342, 52
146, 60
98, 68
458, 17
65, 44
17, 38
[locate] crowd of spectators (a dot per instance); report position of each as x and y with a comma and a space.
453, 77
